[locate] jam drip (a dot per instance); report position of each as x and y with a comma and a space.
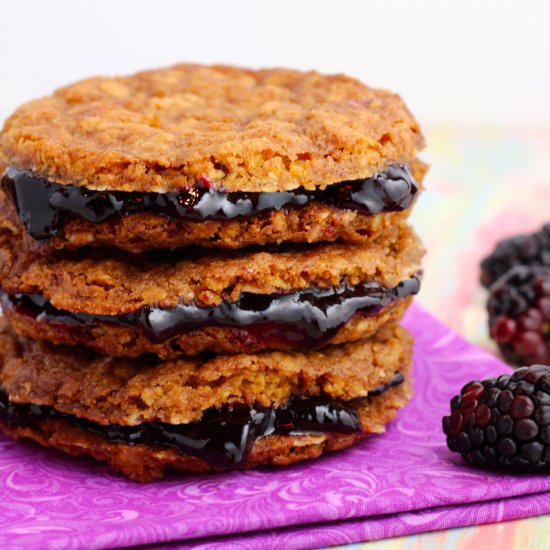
222, 437
305, 318
43, 206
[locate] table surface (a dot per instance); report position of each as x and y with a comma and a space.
484, 184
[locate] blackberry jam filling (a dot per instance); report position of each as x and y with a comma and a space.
43, 206
222, 437
304, 318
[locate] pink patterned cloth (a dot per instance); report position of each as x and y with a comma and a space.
403, 482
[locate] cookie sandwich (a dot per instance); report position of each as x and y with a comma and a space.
204, 268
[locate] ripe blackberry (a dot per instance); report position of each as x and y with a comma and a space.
532, 249
519, 315
503, 422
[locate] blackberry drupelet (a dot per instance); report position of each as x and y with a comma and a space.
519, 315
532, 250
503, 422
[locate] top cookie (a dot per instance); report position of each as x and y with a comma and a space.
239, 129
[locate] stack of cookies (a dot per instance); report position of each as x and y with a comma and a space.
204, 268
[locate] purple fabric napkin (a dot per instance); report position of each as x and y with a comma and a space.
402, 482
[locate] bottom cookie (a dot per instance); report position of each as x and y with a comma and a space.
145, 416
145, 462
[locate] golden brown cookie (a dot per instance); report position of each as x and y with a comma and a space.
210, 156
244, 130
149, 462
120, 390
241, 411
173, 304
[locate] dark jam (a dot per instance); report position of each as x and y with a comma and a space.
222, 437
43, 206
304, 318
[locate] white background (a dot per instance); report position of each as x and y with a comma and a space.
465, 62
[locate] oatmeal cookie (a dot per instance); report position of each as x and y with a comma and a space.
201, 415
211, 156
174, 304
244, 130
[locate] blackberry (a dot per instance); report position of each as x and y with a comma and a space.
519, 315
532, 249
503, 422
